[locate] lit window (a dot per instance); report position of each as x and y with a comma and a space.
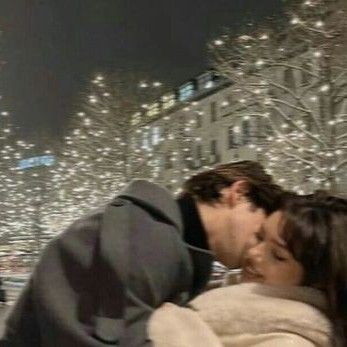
155, 135
136, 118
186, 91
153, 109
205, 81
168, 101
145, 142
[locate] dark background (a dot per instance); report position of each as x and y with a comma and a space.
52, 47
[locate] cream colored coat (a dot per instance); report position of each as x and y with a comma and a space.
245, 315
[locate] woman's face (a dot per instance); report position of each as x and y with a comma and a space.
268, 260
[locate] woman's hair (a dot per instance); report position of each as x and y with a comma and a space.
262, 191
315, 230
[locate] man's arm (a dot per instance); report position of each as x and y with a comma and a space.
21, 328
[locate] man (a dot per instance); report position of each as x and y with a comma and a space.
98, 283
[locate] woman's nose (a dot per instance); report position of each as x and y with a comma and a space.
255, 253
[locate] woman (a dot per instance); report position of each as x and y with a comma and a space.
294, 290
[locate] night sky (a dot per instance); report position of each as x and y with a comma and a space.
53, 46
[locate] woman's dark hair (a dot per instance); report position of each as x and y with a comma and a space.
315, 230
262, 191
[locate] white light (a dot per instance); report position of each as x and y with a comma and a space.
260, 63
319, 24
4, 113
209, 85
313, 98
143, 85
317, 54
295, 20
237, 129
218, 42
264, 37
324, 88
157, 84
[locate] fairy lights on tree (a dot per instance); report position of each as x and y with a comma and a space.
98, 155
292, 78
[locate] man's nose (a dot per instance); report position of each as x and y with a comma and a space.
252, 241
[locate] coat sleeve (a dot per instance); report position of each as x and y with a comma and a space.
174, 326
21, 327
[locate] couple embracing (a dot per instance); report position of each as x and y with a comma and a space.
134, 272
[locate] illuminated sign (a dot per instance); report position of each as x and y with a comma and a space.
43, 160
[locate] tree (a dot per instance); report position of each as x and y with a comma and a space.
98, 156
291, 76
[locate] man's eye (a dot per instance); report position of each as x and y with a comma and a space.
259, 237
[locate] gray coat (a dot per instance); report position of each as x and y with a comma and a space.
98, 282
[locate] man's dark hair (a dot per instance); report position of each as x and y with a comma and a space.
262, 191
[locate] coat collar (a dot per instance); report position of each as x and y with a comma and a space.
155, 198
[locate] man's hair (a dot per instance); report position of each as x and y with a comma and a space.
262, 191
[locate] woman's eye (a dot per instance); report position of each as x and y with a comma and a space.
278, 256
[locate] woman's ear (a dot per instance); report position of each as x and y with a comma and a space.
236, 192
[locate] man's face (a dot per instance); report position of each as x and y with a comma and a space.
232, 229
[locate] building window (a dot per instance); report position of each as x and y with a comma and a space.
153, 109
213, 107
136, 118
198, 152
213, 147
168, 161
155, 135
205, 81
145, 140
186, 91
246, 133
199, 120
168, 101
231, 137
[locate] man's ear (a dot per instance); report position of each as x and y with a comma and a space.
236, 192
